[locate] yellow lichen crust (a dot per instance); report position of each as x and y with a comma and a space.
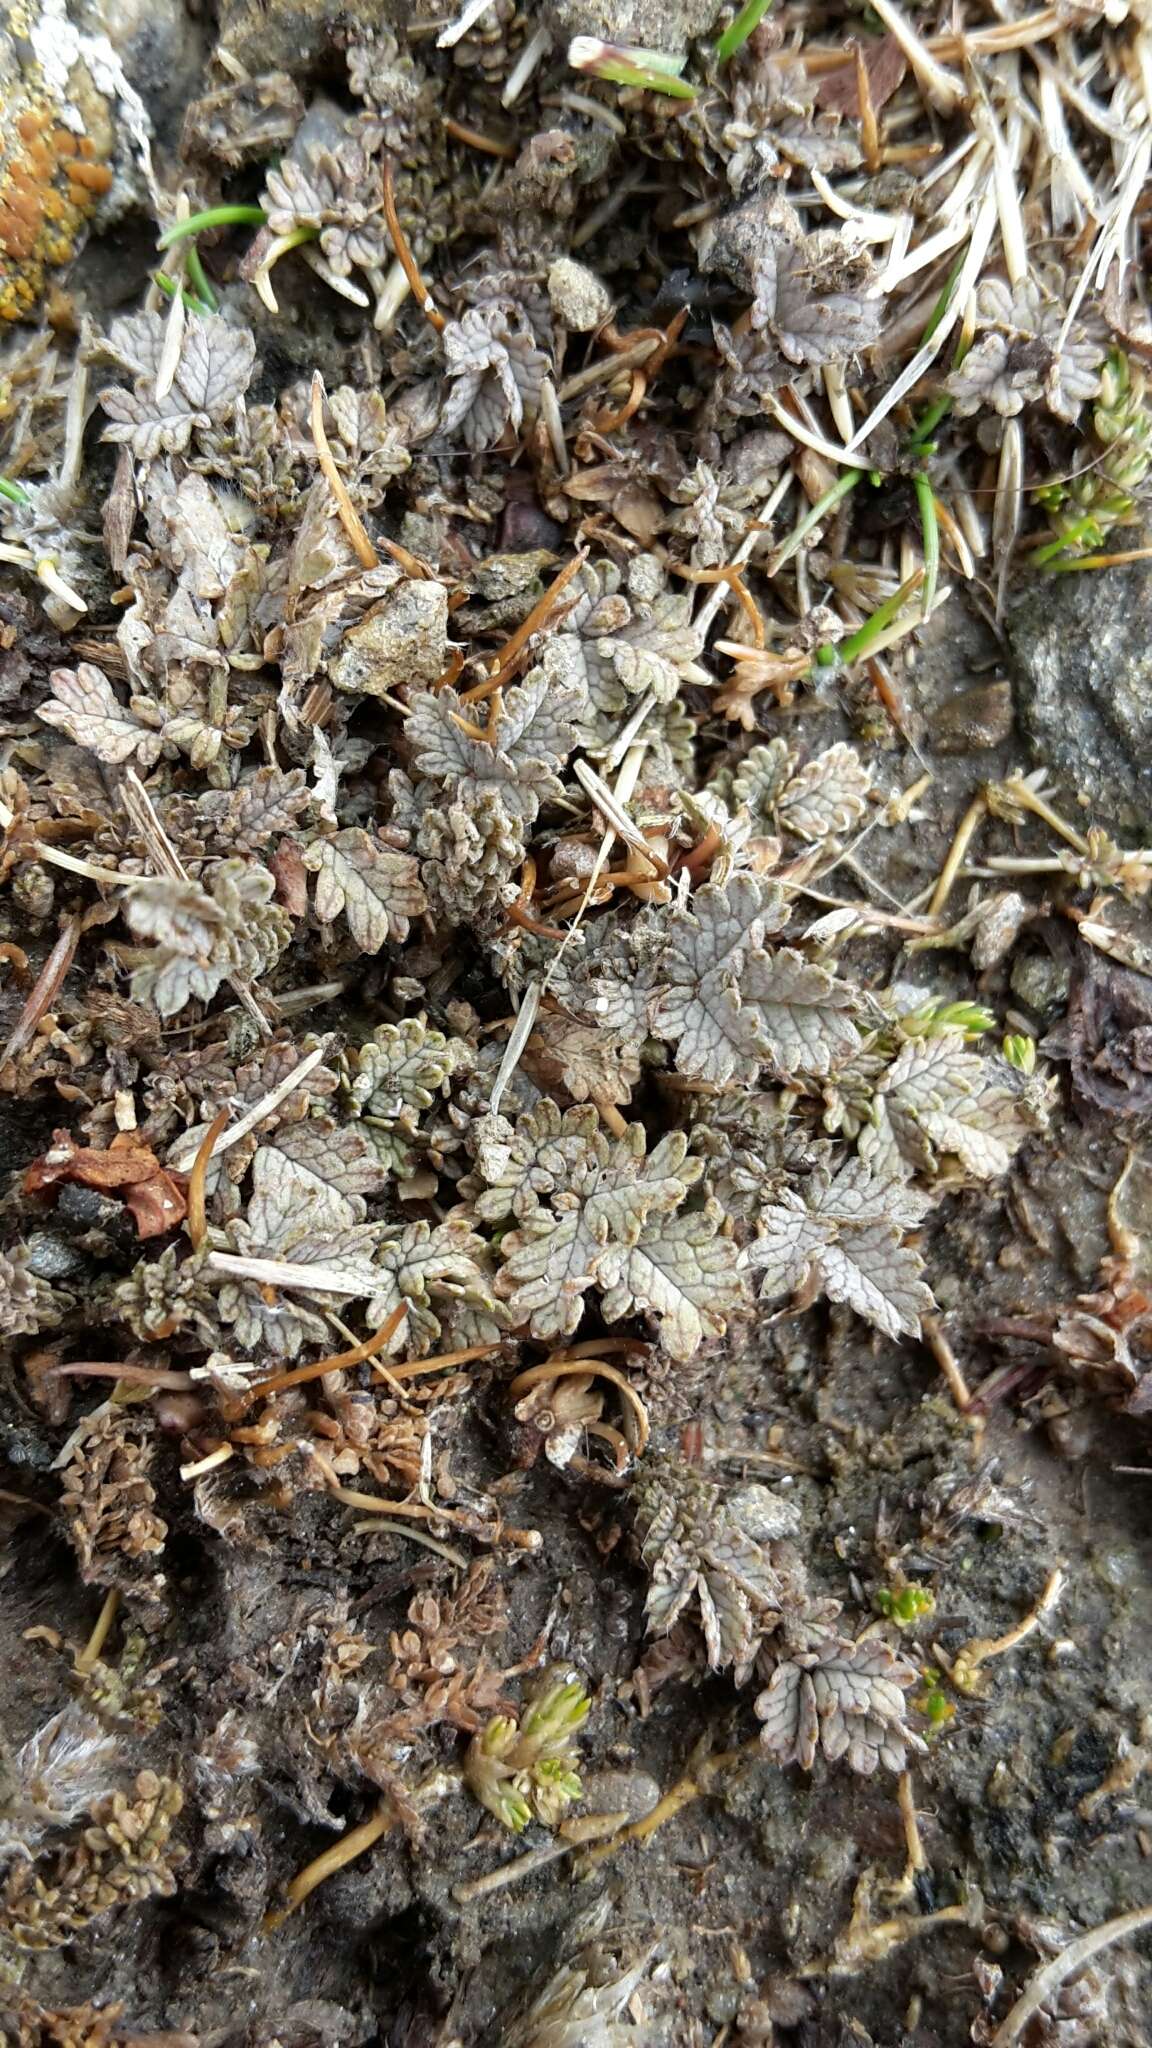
53, 161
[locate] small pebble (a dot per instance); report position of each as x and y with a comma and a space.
978, 718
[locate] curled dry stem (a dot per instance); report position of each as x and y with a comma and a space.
519, 912
541, 614
565, 1368
971, 1656
1051, 1975
339, 1363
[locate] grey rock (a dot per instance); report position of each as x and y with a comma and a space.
654, 24
51, 1257
1082, 681
403, 639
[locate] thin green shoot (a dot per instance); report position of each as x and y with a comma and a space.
920, 442
813, 516
213, 217
1082, 531
629, 64
739, 30
197, 279
169, 287
930, 534
15, 493
1112, 560
864, 639
945, 299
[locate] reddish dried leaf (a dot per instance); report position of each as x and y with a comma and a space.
886, 65
156, 1198
158, 1204
287, 865
119, 1167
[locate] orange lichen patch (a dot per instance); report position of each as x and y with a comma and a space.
50, 182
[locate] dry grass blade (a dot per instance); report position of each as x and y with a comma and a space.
346, 511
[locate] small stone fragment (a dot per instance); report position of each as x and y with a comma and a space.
580, 299
978, 718
403, 639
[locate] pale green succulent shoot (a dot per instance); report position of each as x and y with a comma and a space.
1020, 1051
527, 1771
1106, 492
553, 1715
933, 1019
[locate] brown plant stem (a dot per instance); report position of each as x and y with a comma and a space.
404, 256
339, 1363
346, 511
539, 616
197, 1217
89, 1656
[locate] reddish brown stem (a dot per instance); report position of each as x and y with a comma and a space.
404, 256
340, 1362
197, 1215
537, 618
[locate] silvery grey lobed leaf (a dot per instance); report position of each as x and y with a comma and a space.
606, 1189
942, 1100
248, 815
842, 1237
811, 295
697, 1004
293, 1215
497, 372
536, 734
441, 1271
682, 1272
188, 529
213, 372
698, 1550
204, 935
802, 1013
377, 888
827, 797
333, 1156
845, 1699
84, 705
402, 1069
